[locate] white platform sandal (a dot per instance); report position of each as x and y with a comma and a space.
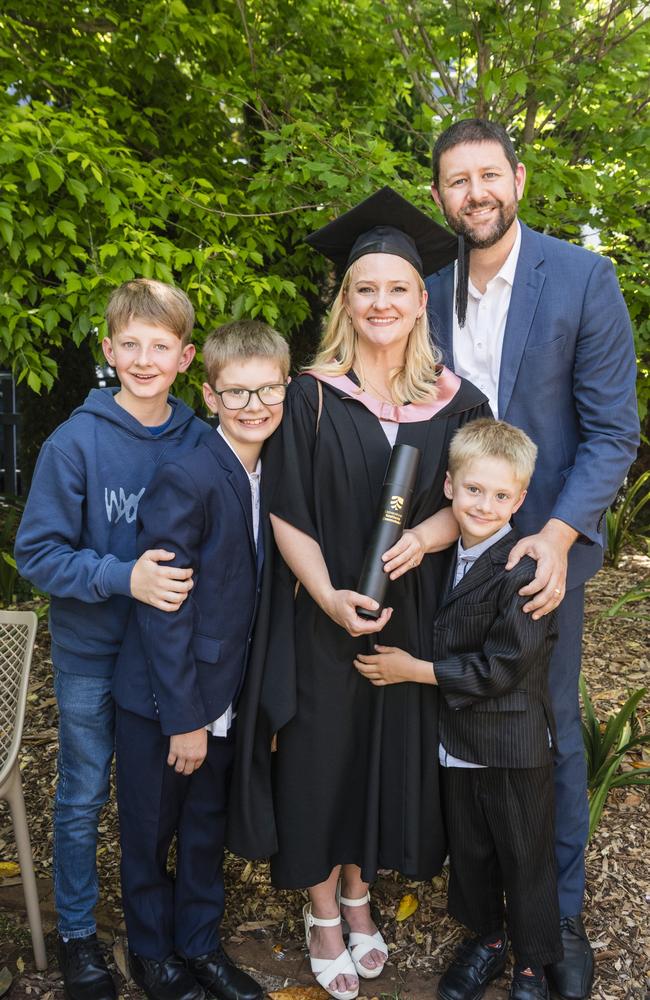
361, 944
327, 969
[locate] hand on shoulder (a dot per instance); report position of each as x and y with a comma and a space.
549, 548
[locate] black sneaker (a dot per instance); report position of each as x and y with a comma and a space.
84, 970
475, 964
528, 987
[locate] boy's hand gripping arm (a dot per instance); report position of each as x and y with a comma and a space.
163, 587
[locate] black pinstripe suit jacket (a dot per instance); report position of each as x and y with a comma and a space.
491, 663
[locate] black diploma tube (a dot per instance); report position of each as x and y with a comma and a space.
392, 515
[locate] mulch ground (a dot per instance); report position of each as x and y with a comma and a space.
263, 926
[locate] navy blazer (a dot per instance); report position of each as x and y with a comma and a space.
568, 378
185, 667
491, 664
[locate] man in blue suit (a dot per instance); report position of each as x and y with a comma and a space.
543, 330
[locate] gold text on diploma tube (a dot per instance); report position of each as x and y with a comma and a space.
393, 513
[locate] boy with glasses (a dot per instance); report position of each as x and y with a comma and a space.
178, 677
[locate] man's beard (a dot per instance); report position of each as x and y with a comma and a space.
505, 216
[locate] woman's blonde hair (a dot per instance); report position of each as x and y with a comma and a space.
414, 382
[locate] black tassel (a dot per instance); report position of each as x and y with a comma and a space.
462, 281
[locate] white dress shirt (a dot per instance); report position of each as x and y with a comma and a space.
221, 725
465, 558
478, 344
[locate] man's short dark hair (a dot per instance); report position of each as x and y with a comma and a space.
472, 130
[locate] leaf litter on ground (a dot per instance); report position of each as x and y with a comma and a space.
616, 660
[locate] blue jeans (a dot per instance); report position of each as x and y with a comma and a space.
86, 742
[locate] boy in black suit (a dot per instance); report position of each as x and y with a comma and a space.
490, 661
179, 675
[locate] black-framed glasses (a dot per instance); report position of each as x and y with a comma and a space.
238, 399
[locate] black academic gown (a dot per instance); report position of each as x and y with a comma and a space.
354, 778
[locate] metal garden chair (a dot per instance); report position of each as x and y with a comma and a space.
17, 633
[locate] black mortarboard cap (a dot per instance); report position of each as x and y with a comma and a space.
386, 223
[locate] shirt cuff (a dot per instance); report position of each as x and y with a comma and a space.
587, 535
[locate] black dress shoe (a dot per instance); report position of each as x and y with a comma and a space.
85, 974
573, 976
219, 976
474, 965
166, 980
528, 988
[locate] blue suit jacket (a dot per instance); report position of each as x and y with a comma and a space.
184, 668
567, 377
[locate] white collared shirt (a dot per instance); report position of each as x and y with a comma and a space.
478, 345
254, 480
221, 725
466, 557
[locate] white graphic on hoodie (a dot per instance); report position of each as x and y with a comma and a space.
126, 507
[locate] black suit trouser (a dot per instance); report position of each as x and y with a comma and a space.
166, 912
500, 823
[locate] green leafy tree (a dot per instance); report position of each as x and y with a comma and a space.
199, 143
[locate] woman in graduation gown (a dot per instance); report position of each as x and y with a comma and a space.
353, 785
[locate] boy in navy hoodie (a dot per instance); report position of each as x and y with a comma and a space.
77, 541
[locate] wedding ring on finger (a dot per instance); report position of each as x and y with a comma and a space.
557, 591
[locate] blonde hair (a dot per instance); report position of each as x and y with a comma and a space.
241, 340
154, 302
414, 382
486, 438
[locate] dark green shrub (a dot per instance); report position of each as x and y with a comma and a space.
622, 515
608, 744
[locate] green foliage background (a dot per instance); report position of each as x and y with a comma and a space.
198, 142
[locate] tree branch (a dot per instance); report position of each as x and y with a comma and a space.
262, 109
426, 94
482, 65
440, 67
532, 104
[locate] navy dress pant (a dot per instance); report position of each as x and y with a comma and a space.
167, 912
571, 806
